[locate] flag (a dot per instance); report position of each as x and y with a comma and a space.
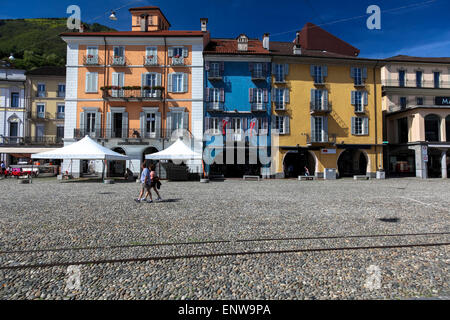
252, 125
224, 125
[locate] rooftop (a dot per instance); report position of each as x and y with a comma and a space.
164, 33
230, 46
404, 58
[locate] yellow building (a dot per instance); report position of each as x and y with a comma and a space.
46, 91
326, 111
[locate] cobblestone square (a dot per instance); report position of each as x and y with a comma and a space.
273, 239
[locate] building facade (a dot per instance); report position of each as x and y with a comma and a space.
237, 106
326, 109
136, 91
12, 111
46, 91
416, 106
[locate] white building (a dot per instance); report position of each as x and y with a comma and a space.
12, 110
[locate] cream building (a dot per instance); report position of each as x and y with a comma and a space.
416, 107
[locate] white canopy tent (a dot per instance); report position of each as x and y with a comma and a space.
85, 149
177, 151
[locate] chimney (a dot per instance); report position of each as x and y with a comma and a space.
297, 46
204, 24
144, 22
266, 41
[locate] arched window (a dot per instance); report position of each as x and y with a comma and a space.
432, 127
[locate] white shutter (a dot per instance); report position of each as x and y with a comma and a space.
108, 125
286, 125
125, 125
82, 123
169, 124
325, 71
312, 70
325, 129
287, 95
286, 69
169, 82
366, 98
364, 73
353, 125
365, 126
185, 82
353, 98
325, 100
185, 52
274, 68
170, 52
158, 79
352, 72
158, 124
142, 124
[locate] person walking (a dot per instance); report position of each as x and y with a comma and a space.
145, 185
2, 169
155, 181
306, 171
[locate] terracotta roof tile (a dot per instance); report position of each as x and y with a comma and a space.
229, 46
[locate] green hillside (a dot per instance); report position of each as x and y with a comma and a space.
36, 42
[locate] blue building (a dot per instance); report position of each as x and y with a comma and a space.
237, 106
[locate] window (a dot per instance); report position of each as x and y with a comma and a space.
178, 52
119, 52
359, 100
258, 70
280, 72
91, 82
41, 90
282, 124
92, 55
151, 56
359, 75
14, 100
319, 99
259, 96
40, 111
401, 78
437, 79
214, 95
419, 101
40, 130
214, 69
213, 125
59, 133
403, 102
317, 130
90, 123
279, 99
150, 124
432, 128
61, 111
178, 82
318, 73
360, 126
61, 90
419, 76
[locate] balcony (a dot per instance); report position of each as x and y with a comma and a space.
127, 135
259, 107
214, 75
60, 115
43, 140
178, 61
41, 116
91, 60
132, 94
319, 81
320, 138
61, 94
215, 106
320, 108
118, 61
280, 106
11, 141
409, 83
150, 61
359, 83
259, 75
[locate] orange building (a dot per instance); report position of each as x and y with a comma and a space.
135, 91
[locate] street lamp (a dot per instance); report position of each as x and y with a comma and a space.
113, 16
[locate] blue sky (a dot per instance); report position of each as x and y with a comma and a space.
421, 30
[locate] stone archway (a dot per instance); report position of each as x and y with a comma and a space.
294, 163
353, 162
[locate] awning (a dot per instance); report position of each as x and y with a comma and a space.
177, 151
85, 149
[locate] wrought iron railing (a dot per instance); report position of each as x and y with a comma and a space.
117, 61
150, 61
318, 107
320, 137
178, 61
259, 106
130, 133
132, 94
215, 106
91, 60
